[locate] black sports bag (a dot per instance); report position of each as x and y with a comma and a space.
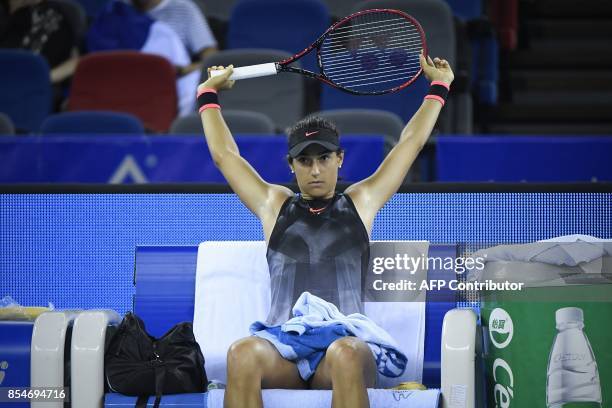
137, 363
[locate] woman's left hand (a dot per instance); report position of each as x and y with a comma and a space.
436, 70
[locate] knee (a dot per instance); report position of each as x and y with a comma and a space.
246, 354
348, 354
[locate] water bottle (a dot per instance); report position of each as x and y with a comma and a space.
573, 379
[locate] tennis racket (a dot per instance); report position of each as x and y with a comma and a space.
371, 52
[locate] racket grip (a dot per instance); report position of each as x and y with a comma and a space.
250, 71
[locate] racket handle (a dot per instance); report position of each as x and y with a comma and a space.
250, 71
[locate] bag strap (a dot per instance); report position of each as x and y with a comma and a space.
141, 402
160, 376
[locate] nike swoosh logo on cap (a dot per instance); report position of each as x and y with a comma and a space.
311, 133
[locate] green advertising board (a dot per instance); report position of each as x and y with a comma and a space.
548, 347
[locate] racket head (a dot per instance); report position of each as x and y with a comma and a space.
372, 52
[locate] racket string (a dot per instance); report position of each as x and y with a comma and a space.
400, 75
369, 31
374, 75
369, 61
381, 70
353, 64
347, 62
376, 82
350, 26
339, 59
412, 40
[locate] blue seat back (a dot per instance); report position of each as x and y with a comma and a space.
92, 122
237, 120
275, 24
485, 49
165, 285
466, 9
403, 103
26, 95
485, 68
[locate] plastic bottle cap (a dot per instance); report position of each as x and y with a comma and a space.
569, 315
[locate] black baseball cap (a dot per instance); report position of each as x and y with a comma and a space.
302, 138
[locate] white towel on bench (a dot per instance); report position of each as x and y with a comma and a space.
232, 291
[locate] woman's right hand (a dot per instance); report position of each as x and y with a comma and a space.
437, 69
220, 81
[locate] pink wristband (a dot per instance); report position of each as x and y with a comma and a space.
437, 98
209, 106
444, 84
204, 90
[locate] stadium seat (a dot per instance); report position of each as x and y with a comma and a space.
366, 121
436, 18
369, 121
272, 24
238, 121
6, 125
126, 81
280, 97
485, 62
466, 9
484, 48
26, 95
376, 122
92, 122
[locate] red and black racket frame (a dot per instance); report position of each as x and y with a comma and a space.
283, 66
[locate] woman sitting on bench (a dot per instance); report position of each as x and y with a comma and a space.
318, 240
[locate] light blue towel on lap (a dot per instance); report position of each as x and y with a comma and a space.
316, 324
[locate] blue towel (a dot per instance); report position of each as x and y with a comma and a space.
316, 324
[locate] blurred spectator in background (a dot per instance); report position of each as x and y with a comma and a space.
119, 26
187, 20
42, 28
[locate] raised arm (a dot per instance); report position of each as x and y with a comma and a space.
371, 194
262, 198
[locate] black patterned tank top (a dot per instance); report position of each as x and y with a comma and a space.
322, 249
